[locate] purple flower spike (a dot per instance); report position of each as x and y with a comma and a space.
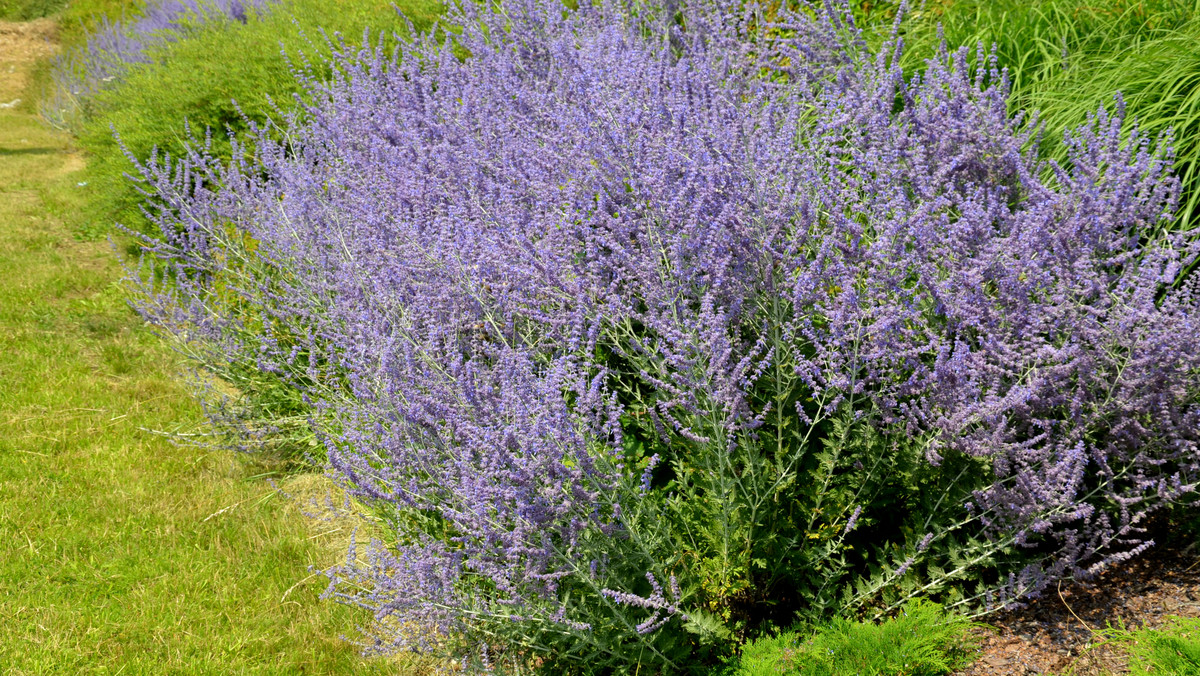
860, 329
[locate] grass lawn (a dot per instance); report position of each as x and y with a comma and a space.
119, 551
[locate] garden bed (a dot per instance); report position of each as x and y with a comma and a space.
636, 354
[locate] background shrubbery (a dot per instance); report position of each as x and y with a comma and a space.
24, 10
183, 90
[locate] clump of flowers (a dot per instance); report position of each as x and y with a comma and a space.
640, 326
115, 46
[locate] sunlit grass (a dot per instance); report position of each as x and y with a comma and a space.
1159, 81
122, 552
1173, 648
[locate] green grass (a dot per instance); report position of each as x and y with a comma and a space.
1159, 81
922, 641
1034, 39
74, 17
24, 10
121, 552
79, 16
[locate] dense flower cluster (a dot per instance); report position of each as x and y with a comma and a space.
637, 324
114, 46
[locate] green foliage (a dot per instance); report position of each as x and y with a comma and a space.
921, 640
80, 16
24, 10
805, 521
1034, 39
1177, 528
74, 17
73, 22
1174, 649
187, 84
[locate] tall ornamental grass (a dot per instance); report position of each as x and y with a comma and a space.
1066, 58
641, 327
1160, 82
1035, 39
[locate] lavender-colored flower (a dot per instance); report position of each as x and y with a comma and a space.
853, 520
747, 243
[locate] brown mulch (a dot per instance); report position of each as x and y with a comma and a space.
1059, 633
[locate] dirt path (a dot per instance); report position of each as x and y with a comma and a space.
21, 46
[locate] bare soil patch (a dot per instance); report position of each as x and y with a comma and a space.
1062, 631
27, 41
21, 45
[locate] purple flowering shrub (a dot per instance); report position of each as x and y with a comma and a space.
114, 47
636, 333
